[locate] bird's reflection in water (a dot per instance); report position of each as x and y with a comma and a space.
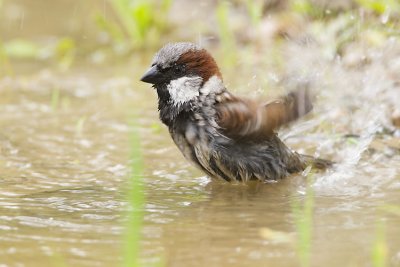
231, 218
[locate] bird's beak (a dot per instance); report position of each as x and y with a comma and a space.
152, 76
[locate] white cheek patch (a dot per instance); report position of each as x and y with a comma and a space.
184, 89
213, 85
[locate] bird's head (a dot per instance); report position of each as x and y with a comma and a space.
181, 72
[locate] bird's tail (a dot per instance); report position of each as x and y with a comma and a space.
317, 162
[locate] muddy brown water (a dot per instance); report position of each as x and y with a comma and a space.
64, 165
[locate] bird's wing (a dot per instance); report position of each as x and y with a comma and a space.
242, 119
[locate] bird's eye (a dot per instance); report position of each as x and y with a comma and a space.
178, 69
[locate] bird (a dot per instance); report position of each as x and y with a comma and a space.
228, 137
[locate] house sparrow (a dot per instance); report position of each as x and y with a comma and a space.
227, 137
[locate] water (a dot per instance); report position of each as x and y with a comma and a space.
62, 196
64, 164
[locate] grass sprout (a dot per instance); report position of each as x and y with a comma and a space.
136, 202
303, 216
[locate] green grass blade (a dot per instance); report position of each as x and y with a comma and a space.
303, 216
380, 250
136, 203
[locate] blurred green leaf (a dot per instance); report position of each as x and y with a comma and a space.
143, 18
306, 7
109, 26
20, 48
255, 10
380, 6
225, 32
302, 6
65, 51
138, 22
156, 127
380, 249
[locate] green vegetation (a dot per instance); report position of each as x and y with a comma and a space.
21, 48
79, 125
140, 23
136, 28
254, 9
5, 67
380, 250
225, 33
392, 209
303, 218
380, 6
306, 7
65, 51
55, 99
136, 202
